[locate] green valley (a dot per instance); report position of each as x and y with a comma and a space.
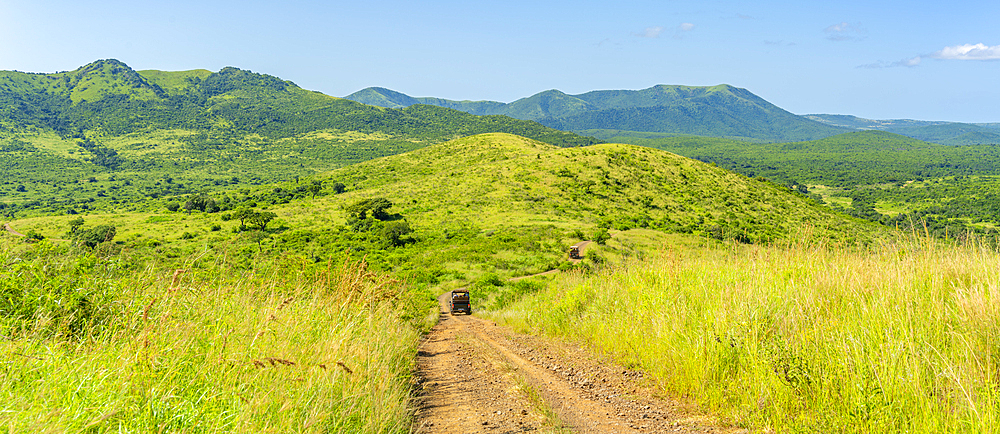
945, 133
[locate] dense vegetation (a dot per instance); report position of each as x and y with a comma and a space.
717, 111
875, 175
105, 135
491, 203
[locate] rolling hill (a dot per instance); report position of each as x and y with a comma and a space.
500, 179
485, 203
876, 175
717, 111
106, 134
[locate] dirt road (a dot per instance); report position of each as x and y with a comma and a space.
476, 377
7, 227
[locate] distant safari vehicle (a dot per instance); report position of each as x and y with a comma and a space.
574, 252
459, 302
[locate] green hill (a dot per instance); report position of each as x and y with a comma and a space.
716, 111
485, 203
498, 179
105, 134
873, 174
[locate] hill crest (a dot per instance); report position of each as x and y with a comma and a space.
493, 180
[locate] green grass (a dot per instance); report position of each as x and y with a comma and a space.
492, 203
121, 343
898, 338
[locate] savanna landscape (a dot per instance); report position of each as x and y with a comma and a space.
226, 251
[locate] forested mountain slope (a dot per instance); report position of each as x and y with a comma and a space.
718, 111
105, 133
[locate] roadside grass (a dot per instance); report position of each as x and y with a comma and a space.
116, 343
901, 337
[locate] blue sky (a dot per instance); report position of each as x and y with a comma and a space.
876, 59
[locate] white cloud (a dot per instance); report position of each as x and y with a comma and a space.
968, 52
651, 32
845, 32
681, 29
957, 52
908, 63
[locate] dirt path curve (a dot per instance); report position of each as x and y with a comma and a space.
477, 377
13, 232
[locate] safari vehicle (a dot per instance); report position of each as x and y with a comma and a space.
459, 302
574, 252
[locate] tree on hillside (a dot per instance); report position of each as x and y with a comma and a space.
363, 214
202, 203
96, 235
600, 235
243, 214
261, 219
75, 224
315, 187
375, 207
394, 231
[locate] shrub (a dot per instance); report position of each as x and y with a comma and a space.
96, 235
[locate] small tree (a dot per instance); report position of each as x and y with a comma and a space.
601, 236
75, 224
315, 188
394, 231
243, 214
261, 219
375, 208
201, 203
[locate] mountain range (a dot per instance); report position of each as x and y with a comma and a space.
108, 98
105, 133
714, 111
945, 133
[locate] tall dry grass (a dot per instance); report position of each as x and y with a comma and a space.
901, 337
287, 347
